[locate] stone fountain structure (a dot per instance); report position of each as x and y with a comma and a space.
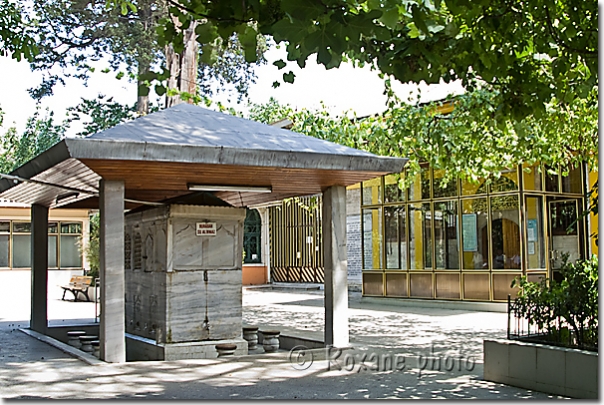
183, 268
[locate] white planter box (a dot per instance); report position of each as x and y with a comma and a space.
550, 369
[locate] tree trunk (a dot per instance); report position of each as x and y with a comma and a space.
183, 69
142, 102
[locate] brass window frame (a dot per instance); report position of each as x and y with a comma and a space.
521, 195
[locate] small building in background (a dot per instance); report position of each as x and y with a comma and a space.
459, 242
68, 235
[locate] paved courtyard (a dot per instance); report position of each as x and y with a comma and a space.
398, 352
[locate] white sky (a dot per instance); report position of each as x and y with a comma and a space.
342, 89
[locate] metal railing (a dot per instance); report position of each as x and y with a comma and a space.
296, 241
555, 331
97, 304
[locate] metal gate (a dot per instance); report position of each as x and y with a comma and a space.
296, 242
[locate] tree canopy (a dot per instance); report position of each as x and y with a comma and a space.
17, 38
529, 52
71, 36
41, 132
467, 141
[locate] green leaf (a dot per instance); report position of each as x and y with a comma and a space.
323, 56
373, 14
276, 84
160, 90
414, 32
249, 42
208, 55
143, 90
206, 33
451, 29
290, 31
280, 64
418, 19
147, 76
336, 61
289, 77
374, 4
119, 75
390, 17
303, 10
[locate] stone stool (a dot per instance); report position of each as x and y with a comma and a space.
86, 341
270, 340
73, 338
250, 334
225, 349
96, 348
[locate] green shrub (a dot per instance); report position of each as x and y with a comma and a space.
92, 249
559, 308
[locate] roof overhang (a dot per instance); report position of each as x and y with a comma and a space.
154, 171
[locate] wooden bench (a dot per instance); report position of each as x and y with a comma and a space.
77, 284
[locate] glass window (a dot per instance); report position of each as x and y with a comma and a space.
445, 235
21, 227
563, 217
505, 232
420, 236
71, 227
551, 180
564, 235
469, 188
252, 237
508, 181
5, 226
53, 227
573, 182
70, 251
392, 189
440, 188
372, 191
396, 240
420, 188
535, 244
4, 250
52, 251
474, 234
372, 238
531, 178
21, 251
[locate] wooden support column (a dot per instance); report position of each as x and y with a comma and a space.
111, 258
335, 262
39, 268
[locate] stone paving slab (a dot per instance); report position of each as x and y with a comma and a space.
414, 330
30, 369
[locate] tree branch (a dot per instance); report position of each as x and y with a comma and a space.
559, 40
195, 13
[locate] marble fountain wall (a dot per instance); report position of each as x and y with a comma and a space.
183, 290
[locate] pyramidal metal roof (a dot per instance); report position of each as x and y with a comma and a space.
158, 155
186, 124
